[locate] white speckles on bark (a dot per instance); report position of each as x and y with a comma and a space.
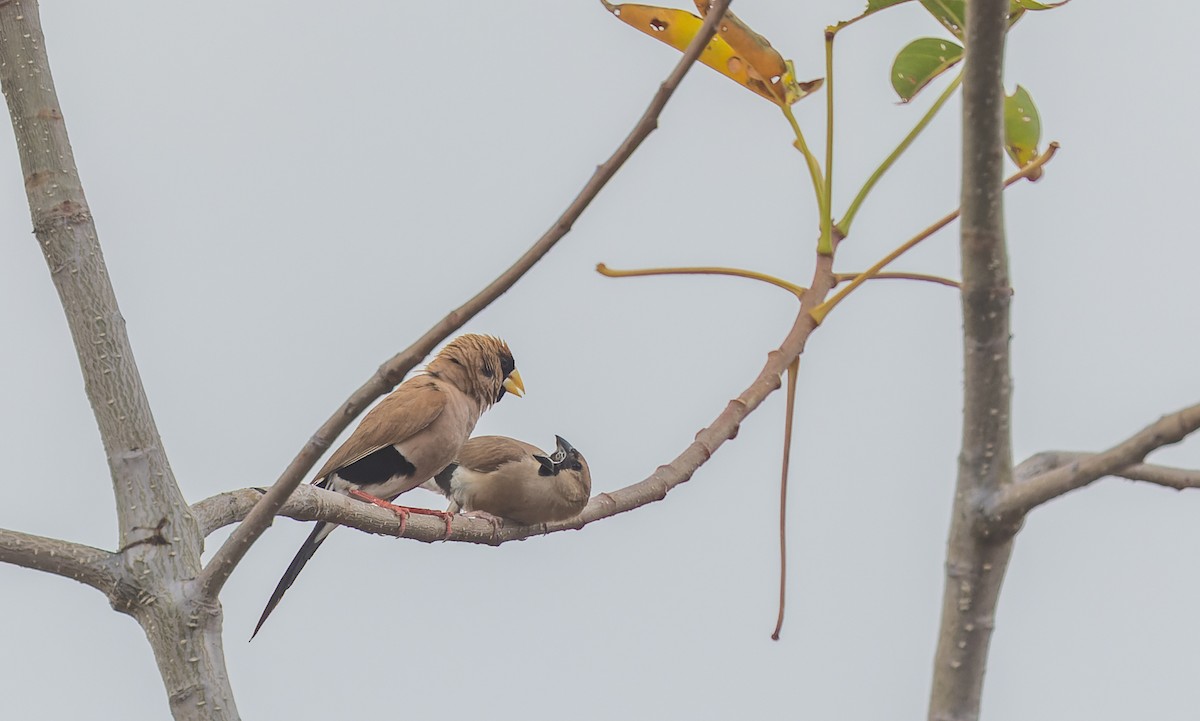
148, 499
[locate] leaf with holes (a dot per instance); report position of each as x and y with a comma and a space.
952, 14
1022, 127
775, 80
764, 64
920, 62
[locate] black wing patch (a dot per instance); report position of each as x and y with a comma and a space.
443, 477
378, 467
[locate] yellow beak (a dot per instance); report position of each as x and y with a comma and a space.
513, 384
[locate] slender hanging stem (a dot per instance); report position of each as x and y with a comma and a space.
789, 412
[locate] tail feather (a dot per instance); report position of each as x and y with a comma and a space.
310, 546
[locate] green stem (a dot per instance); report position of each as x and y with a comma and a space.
814, 169
843, 226
1032, 171
825, 244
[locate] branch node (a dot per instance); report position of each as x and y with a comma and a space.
156, 537
65, 214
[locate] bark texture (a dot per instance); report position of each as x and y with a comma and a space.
159, 535
978, 554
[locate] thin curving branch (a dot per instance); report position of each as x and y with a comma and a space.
309, 503
1075, 471
790, 287
976, 561
898, 275
208, 585
1179, 479
90, 566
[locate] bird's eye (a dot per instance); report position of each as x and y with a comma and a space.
487, 371
576, 466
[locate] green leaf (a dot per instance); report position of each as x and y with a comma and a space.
1022, 127
952, 14
1015, 11
1017, 8
873, 6
1034, 5
920, 62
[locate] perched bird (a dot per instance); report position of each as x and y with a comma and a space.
511, 479
412, 434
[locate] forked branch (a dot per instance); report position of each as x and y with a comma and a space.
214, 575
1075, 471
1179, 479
312, 503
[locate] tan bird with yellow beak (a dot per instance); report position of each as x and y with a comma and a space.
412, 434
504, 477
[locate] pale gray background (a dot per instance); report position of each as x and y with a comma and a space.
289, 192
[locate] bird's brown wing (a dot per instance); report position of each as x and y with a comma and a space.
404, 413
484, 454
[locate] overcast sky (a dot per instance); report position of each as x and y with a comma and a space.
288, 193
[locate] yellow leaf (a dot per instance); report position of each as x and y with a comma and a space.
773, 81
765, 64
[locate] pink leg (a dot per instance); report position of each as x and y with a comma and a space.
402, 511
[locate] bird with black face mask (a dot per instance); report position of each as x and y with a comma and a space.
512, 479
412, 434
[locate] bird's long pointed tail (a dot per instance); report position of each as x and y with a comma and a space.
310, 546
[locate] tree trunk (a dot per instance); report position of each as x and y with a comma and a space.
160, 539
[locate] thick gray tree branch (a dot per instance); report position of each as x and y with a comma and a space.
1073, 471
85, 564
62, 222
213, 578
185, 637
975, 560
